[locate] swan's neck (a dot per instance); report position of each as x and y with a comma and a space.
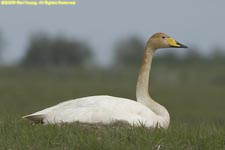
142, 87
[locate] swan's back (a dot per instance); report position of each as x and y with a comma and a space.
98, 109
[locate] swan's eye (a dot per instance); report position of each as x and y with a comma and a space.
163, 37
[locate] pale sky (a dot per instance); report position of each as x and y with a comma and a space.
102, 22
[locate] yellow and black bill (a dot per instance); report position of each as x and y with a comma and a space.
175, 44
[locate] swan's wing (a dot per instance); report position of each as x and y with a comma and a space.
49, 109
96, 109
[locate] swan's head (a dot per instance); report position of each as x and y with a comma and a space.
161, 40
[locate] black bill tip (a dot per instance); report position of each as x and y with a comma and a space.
181, 45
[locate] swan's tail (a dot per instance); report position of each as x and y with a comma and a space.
35, 118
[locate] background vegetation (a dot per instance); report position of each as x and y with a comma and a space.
45, 51
191, 87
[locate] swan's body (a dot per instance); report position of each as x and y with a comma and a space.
100, 109
108, 109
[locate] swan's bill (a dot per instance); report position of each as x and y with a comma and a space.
175, 44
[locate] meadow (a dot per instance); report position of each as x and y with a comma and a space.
193, 93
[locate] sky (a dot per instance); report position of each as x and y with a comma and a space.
103, 22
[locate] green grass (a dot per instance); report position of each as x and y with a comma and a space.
194, 96
17, 134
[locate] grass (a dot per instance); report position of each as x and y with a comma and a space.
194, 96
22, 135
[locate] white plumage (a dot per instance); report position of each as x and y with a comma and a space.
108, 109
99, 109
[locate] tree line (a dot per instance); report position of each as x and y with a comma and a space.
47, 51
55, 51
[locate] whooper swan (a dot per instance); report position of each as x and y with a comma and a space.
108, 109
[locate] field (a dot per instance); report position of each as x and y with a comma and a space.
194, 94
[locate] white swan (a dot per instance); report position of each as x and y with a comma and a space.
107, 109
